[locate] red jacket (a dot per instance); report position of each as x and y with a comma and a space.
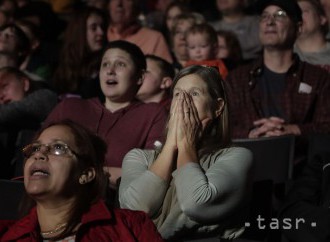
98, 224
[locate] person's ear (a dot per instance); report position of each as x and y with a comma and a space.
299, 28
140, 80
35, 44
220, 103
87, 176
26, 84
166, 82
323, 20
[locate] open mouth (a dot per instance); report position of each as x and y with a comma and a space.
111, 82
39, 173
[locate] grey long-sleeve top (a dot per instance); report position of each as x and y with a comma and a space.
31, 110
200, 198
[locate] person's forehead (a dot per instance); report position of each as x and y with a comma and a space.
7, 77
272, 8
57, 132
191, 81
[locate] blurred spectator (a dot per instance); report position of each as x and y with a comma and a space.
124, 25
173, 10
245, 27
41, 14
326, 8
311, 45
229, 49
9, 7
157, 81
13, 41
37, 61
178, 37
202, 44
24, 104
80, 56
155, 17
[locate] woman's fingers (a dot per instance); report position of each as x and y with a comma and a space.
194, 113
186, 108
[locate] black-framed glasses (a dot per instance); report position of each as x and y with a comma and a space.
278, 16
56, 148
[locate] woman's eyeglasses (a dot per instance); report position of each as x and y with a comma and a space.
278, 16
57, 149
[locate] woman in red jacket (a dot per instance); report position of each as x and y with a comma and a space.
63, 174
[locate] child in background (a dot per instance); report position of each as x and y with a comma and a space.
202, 46
229, 49
157, 81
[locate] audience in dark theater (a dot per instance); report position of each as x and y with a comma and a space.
155, 99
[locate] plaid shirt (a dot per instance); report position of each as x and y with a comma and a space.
305, 100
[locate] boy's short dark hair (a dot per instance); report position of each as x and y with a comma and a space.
165, 66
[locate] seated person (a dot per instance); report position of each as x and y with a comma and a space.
121, 120
157, 81
124, 24
177, 37
14, 42
279, 94
202, 45
234, 18
24, 105
39, 60
196, 183
80, 54
229, 49
312, 45
64, 179
309, 201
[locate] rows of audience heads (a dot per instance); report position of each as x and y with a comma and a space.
121, 89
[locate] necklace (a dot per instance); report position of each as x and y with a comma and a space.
58, 228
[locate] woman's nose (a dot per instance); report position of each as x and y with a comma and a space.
40, 155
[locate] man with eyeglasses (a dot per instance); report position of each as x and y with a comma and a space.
279, 94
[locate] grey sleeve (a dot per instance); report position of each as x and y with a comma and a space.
211, 195
36, 105
141, 189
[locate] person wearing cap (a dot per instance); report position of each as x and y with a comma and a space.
279, 94
311, 45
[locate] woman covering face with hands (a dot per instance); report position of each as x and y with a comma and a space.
196, 183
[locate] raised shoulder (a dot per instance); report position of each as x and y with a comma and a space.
141, 155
